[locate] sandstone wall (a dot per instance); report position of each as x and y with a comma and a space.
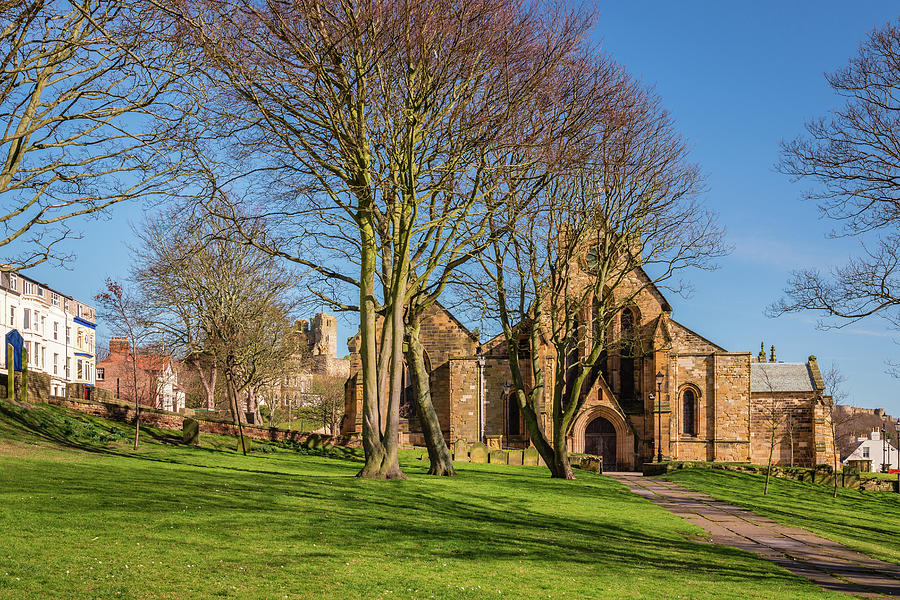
733, 438
174, 421
790, 410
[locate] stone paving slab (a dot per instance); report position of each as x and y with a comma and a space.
825, 562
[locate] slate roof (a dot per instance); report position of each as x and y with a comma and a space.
781, 377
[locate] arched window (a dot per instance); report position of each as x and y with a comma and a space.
513, 416
407, 394
604, 357
408, 408
627, 388
573, 354
688, 412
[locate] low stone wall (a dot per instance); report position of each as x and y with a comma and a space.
120, 411
480, 453
38, 386
822, 474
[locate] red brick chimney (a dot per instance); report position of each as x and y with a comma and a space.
118, 345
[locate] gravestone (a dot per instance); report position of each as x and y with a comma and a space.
314, 442
515, 457
592, 464
530, 456
190, 432
478, 453
460, 451
495, 442
850, 477
247, 444
498, 457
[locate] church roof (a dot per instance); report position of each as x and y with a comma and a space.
781, 377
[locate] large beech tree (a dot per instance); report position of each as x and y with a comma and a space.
369, 123
222, 305
87, 106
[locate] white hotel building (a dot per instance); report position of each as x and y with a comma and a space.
59, 331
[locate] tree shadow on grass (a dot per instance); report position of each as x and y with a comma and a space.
80, 431
473, 519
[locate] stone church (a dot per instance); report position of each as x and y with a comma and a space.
715, 405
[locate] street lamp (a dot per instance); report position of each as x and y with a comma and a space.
897, 442
659, 380
506, 387
884, 453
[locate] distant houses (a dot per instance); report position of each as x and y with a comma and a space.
157, 376
58, 330
873, 453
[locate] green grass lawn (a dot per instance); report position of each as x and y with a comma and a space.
866, 521
82, 516
888, 476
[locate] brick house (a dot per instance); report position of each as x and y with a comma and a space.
157, 376
715, 404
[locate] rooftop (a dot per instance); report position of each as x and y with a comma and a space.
781, 377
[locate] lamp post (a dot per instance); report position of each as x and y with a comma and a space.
884, 446
897, 442
506, 387
659, 380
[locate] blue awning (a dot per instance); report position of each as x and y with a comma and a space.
85, 323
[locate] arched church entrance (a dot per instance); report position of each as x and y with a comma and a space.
600, 440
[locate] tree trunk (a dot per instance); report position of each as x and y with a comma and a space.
560, 468
834, 450
792, 446
390, 465
371, 421
232, 391
438, 452
209, 385
137, 404
771, 452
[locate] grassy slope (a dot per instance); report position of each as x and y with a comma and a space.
866, 521
173, 522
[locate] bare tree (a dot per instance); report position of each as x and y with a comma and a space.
790, 429
124, 314
221, 303
372, 124
578, 239
837, 397
326, 396
771, 412
852, 157
86, 107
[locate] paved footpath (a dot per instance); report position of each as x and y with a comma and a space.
829, 564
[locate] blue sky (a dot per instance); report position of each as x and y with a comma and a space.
737, 78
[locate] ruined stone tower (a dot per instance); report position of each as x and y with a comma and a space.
323, 335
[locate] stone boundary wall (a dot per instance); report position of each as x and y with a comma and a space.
477, 452
38, 386
175, 421
823, 474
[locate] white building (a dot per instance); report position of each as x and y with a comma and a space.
873, 448
59, 331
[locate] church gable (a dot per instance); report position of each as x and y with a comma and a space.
686, 341
444, 337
